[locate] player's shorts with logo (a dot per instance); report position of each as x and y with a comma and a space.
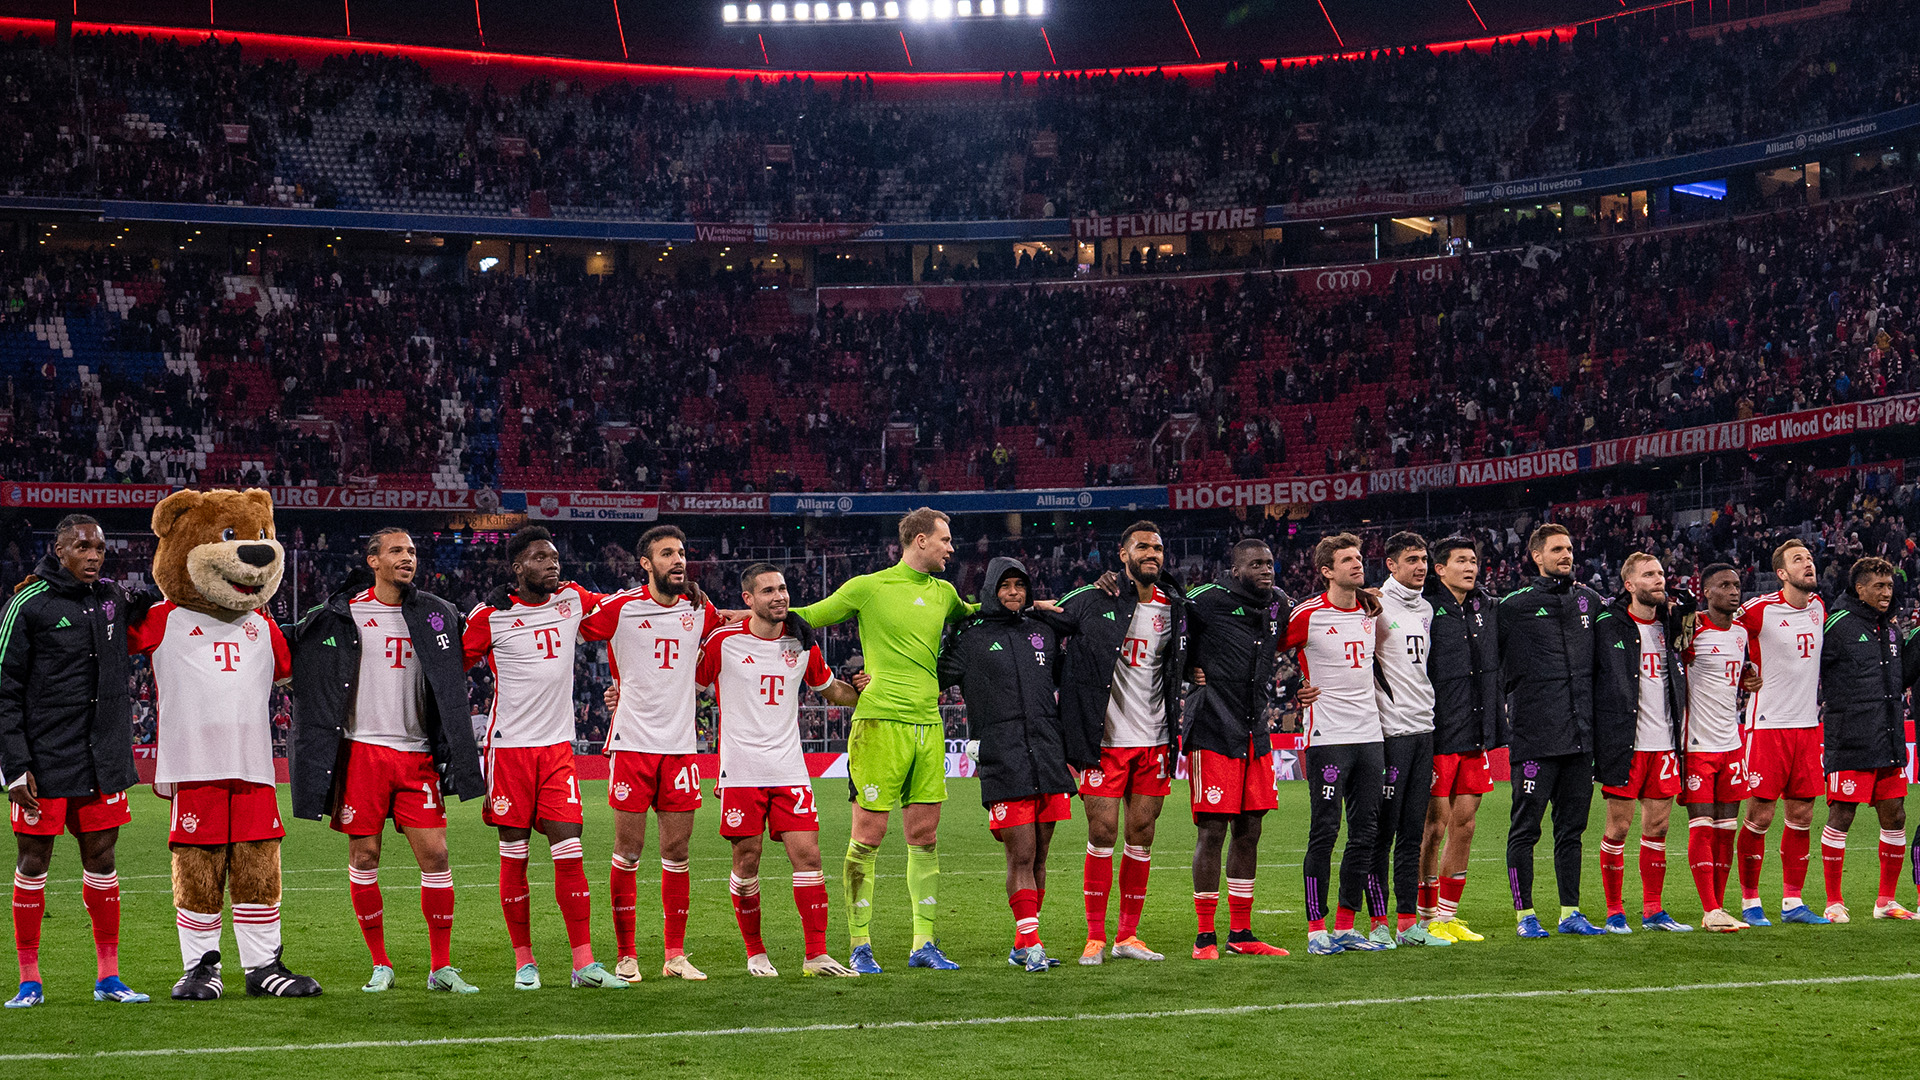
224, 812
1655, 774
1219, 784
746, 811
1129, 770
1867, 785
1462, 774
642, 781
1784, 763
891, 763
529, 784
94, 813
1716, 776
1055, 806
383, 783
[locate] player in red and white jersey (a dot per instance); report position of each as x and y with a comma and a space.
1344, 749
654, 634
1784, 741
1715, 650
527, 636
756, 669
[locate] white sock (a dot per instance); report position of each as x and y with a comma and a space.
199, 935
256, 927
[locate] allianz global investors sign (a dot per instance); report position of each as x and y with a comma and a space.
1169, 223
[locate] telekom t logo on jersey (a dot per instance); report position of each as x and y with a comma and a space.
666, 650
547, 640
1356, 652
1650, 663
226, 654
1805, 643
773, 688
399, 651
1133, 650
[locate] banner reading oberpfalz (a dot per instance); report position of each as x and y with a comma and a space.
59, 496
593, 506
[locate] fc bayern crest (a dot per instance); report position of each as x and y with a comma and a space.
253, 631
566, 609
686, 620
1038, 641
791, 657
1160, 624
1583, 604
107, 610
1330, 773
437, 621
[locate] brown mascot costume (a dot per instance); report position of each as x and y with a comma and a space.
216, 656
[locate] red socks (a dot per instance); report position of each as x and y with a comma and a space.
623, 892
1752, 851
514, 901
1451, 887
1794, 846
1726, 833
746, 911
1239, 904
1026, 917
576, 902
1204, 905
29, 906
436, 904
1097, 882
1427, 899
675, 889
363, 886
1342, 920
810, 896
1703, 852
1136, 864
1653, 876
1833, 861
1893, 855
101, 894
1613, 875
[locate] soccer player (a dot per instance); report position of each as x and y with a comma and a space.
1005, 660
755, 668
1236, 628
1469, 719
1866, 680
1715, 651
1784, 634
1405, 692
897, 748
1343, 750
653, 636
1119, 705
1639, 698
381, 733
1546, 662
527, 635
66, 744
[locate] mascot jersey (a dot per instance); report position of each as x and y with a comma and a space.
213, 681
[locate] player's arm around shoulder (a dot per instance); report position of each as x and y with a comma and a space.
838, 606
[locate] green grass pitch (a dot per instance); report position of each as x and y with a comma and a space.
1792, 1000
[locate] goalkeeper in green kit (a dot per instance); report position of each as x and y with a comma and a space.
897, 748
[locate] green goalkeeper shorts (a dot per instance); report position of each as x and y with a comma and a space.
891, 763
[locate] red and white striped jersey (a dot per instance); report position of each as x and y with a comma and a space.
1785, 641
212, 682
529, 648
1137, 711
756, 684
1715, 661
387, 699
1336, 648
653, 649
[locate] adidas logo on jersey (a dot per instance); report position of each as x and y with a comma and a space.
1107, 616
517, 623
329, 642
919, 602
371, 622
66, 622
645, 624
1239, 611
747, 660
1863, 637
996, 647
1542, 611
1333, 629
1619, 644
1784, 622
197, 632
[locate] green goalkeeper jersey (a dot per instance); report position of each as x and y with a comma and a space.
902, 613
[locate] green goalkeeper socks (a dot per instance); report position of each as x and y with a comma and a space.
923, 884
857, 876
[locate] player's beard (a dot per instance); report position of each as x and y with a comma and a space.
537, 588
666, 587
1133, 571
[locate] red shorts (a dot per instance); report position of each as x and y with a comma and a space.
1034, 808
1655, 775
1867, 785
669, 783
1218, 784
1716, 777
224, 812
528, 784
1462, 774
745, 811
1784, 763
95, 813
1128, 770
383, 783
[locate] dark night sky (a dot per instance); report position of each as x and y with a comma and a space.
1085, 33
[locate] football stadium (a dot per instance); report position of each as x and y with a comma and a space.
496, 501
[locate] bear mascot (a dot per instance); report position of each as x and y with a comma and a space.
216, 656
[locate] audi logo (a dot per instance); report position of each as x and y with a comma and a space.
1343, 279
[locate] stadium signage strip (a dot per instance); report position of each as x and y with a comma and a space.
593, 506
1758, 433
1168, 223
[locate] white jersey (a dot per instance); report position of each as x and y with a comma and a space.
756, 685
1785, 641
1336, 649
529, 648
213, 681
387, 699
1137, 711
653, 649
1405, 633
1715, 661
1653, 729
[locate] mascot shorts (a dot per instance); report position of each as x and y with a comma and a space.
531, 784
224, 812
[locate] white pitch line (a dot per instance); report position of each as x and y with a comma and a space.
978, 1021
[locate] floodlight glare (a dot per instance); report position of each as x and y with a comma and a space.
779, 12
802, 12
820, 12
1036, 8
846, 10
943, 9
964, 7
917, 10
753, 12
731, 13
892, 9
986, 7
867, 10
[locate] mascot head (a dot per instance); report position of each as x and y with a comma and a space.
217, 554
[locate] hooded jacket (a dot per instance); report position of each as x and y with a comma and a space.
1862, 679
326, 671
1546, 664
1469, 705
1099, 624
1233, 636
1005, 664
64, 711
1616, 686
